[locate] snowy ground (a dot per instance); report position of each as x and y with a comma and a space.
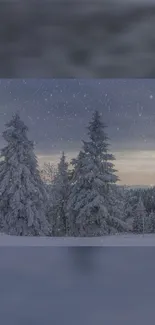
118, 240
76, 285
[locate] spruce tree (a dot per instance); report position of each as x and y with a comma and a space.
60, 192
130, 206
23, 197
139, 220
151, 222
98, 149
93, 175
116, 208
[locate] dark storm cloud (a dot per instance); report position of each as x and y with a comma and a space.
58, 111
77, 38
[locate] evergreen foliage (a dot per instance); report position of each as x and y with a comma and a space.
23, 198
60, 191
93, 176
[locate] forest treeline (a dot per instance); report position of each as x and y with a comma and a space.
77, 198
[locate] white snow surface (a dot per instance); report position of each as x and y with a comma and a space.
116, 240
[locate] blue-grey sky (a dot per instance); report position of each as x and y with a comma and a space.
57, 112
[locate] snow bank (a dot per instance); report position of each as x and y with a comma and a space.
117, 240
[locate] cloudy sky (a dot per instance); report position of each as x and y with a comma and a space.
58, 111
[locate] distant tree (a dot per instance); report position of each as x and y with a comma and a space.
151, 222
149, 199
23, 198
48, 172
116, 201
131, 200
139, 221
116, 208
60, 193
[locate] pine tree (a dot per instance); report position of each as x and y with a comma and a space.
98, 149
116, 209
93, 175
139, 221
151, 222
60, 192
115, 201
130, 206
23, 197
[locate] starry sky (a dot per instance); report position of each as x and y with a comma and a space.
57, 112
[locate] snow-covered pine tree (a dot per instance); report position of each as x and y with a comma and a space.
23, 197
139, 220
116, 209
130, 205
98, 149
151, 222
60, 192
93, 174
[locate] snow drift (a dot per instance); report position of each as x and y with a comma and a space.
117, 240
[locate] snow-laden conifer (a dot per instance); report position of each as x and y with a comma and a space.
151, 222
59, 198
139, 220
93, 175
116, 208
23, 197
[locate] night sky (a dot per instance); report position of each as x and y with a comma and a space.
57, 112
